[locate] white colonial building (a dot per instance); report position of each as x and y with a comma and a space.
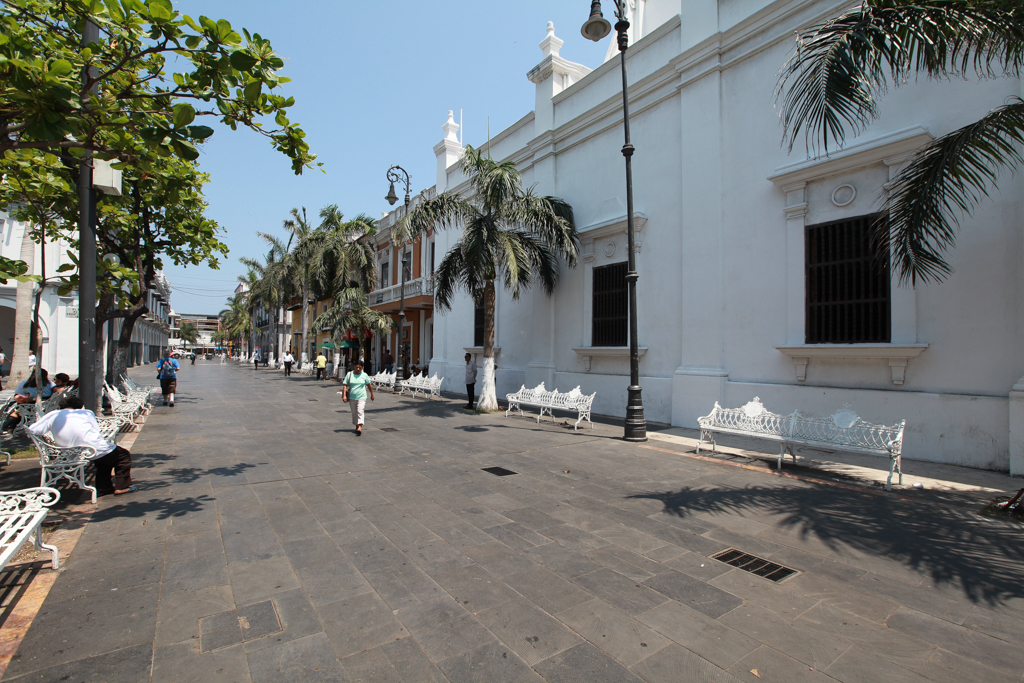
58, 315
742, 248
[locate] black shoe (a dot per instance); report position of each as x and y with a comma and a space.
172, 404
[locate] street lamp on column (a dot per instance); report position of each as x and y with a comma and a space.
395, 175
596, 28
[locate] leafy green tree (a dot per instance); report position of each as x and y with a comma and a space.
508, 233
117, 97
831, 86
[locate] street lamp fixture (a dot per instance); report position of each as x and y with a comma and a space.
395, 175
596, 28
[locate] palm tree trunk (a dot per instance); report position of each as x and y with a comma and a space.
23, 314
488, 398
304, 351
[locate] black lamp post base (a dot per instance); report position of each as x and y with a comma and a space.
636, 424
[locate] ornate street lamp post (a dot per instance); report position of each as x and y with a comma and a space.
394, 177
596, 28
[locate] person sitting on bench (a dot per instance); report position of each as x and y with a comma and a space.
73, 426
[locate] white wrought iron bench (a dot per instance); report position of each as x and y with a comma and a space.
21, 518
59, 462
841, 431
547, 401
384, 380
428, 386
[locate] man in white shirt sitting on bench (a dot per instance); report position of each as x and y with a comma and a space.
73, 426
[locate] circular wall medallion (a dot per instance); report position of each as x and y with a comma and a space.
843, 195
609, 249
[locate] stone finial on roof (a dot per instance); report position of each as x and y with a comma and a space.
551, 43
451, 128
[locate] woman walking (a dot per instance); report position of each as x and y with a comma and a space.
353, 392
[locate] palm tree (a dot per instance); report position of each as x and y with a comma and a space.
306, 246
507, 233
236, 321
249, 298
350, 312
271, 284
189, 332
832, 83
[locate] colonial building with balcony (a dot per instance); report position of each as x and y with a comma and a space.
419, 258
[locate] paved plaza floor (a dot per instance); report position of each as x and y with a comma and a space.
269, 543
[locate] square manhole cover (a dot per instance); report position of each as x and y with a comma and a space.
235, 626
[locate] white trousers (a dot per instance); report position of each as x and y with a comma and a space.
357, 410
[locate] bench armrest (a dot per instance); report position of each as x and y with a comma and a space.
28, 500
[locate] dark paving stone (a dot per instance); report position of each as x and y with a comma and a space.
443, 628
622, 592
527, 630
584, 664
694, 593
87, 627
360, 623
310, 659
182, 663
772, 665
674, 664
699, 633
493, 662
861, 665
127, 665
990, 651
401, 660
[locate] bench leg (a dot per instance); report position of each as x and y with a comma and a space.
782, 454
8, 456
40, 546
895, 465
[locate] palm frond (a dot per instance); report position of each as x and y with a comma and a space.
446, 210
830, 85
945, 179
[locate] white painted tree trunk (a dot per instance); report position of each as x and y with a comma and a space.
23, 314
488, 399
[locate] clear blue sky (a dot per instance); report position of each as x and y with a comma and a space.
373, 82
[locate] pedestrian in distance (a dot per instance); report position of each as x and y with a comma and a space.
389, 362
167, 372
256, 358
3, 359
193, 359
288, 360
73, 426
321, 366
353, 392
470, 380
32, 360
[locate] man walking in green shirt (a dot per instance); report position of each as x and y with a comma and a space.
354, 391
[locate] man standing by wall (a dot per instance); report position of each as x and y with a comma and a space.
470, 380
389, 361
321, 365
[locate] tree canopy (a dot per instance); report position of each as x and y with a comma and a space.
137, 92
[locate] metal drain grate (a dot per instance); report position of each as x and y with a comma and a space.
755, 565
312, 399
388, 429
499, 471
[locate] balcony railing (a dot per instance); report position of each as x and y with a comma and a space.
417, 287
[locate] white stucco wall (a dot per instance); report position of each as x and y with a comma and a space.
721, 263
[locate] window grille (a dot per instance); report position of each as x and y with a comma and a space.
384, 281
610, 319
848, 286
478, 322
